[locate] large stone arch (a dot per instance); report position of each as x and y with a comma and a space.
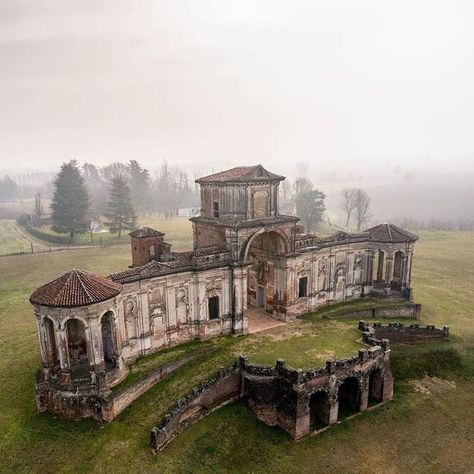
266, 274
280, 238
349, 395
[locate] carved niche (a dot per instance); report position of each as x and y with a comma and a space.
181, 305
131, 316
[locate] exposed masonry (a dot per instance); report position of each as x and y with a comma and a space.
300, 402
245, 253
399, 333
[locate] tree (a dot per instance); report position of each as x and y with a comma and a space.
139, 185
120, 211
362, 205
96, 187
309, 202
70, 201
348, 202
8, 189
38, 211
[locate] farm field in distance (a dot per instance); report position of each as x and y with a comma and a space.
428, 426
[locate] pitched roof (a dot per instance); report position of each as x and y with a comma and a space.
146, 232
390, 233
194, 260
241, 174
76, 288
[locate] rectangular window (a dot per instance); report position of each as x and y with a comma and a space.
214, 307
303, 287
215, 209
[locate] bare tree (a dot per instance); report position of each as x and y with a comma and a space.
348, 202
362, 205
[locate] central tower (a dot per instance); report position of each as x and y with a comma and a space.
235, 205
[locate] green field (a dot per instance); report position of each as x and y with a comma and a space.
428, 427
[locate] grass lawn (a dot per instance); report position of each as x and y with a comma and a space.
428, 427
178, 232
10, 241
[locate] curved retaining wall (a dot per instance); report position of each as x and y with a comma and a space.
224, 387
399, 333
283, 396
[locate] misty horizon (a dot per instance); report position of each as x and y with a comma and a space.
217, 84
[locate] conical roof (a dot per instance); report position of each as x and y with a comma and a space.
76, 288
390, 233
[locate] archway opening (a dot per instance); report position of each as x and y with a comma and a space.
77, 348
107, 327
264, 252
348, 397
319, 410
375, 386
51, 347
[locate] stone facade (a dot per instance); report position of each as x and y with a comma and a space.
245, 252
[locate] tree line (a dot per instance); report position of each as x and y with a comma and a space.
118, 191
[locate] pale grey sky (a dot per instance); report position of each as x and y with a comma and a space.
210, 83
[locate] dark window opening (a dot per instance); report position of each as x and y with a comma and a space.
303, 287
215, 209
214, 307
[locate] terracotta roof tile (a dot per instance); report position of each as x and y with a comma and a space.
76, 288
146, 232
390, 233
241, 174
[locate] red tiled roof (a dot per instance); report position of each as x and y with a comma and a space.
146, 232
76, 288
390, 233
241, 174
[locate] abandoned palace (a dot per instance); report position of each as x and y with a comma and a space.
246, 257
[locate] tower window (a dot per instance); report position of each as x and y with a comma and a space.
215, 209
303, 287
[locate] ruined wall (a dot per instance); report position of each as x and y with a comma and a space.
408, 310
115, 403
398, 333
283, 396
215, 392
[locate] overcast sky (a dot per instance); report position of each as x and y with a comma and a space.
220, 83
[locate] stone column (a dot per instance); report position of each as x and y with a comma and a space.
333, 408
63, 353
364, 393
43, 344
94, 342
388, 273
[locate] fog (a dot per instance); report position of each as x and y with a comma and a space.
377, 94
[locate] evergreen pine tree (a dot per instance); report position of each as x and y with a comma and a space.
139, 186
120, 214
70, 201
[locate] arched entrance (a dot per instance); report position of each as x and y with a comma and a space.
264, 251
375, 386
77, 346
50, 343
348, 397
107, 327
319, 410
